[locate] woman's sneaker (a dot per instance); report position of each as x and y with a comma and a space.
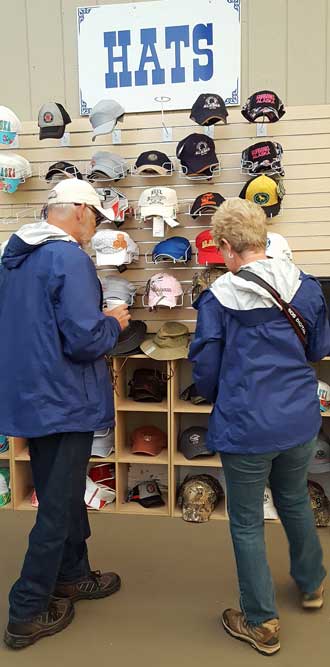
313, 600
58, 615
264, 638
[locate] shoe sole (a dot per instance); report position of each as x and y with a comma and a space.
264, 650
19, 641
313, 604
92, 596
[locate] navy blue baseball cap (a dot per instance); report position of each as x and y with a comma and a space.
197, 155
176, 248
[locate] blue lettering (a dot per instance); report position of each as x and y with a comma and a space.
148, 40
201, 31
177, 34
125, 77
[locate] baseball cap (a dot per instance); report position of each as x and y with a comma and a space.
146, 494
198, 496
321, 454
191, 394
153, 162
147, 384
115, 200
4, 444
104, 116
208, 109
118, 288
323, 392
266, 192
206, 203
104, 165
197, 155
5, 494
176, 248
52, 119
263, 157
63, 169
114, 248
103, 442
158, 201
277, 246
162, 290
192, 442
207, 252
14, 169
130, 339
320, 504
170, 342
9, 125
263, 103
148, 440
270, 511
75, 191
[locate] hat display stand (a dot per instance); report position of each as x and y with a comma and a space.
179, 304
42, 169
17, 217
169, 165
215, 171
245, 169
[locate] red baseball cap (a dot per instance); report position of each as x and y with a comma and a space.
207, 252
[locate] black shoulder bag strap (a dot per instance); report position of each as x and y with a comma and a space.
292, 314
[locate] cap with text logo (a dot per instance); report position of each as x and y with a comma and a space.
323, 392
153, 162
162, 290
75, 191
62, 169
148, 440
175, 248
114, 248
14, 169
9, 125
106, 166
277, 246
104, 116
208, 202
197, 155
263, 157
209, 109
263, 103
266, 192
207, 252
52, 120
192, 442
158, 201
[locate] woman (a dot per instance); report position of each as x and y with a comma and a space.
250, 362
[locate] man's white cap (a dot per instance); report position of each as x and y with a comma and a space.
158, 201
75, 191
114, 248
277, 246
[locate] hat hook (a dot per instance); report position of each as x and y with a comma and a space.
163, 99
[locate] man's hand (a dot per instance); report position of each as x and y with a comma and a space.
120, 313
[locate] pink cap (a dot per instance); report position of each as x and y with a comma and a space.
163, 290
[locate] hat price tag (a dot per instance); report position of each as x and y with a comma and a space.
261, 129
171, 222
209, 131
158, 226
116, 136
65, 140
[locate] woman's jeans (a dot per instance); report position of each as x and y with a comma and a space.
246, 478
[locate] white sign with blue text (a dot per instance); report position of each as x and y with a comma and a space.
133, 53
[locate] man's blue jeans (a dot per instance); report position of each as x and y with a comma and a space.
246, 478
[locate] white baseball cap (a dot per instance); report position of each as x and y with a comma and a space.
277, 246
114, 248
158, 201
75, 191
9, 125
323, 392
270, 511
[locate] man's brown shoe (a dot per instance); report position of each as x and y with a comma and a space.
95, 585
313, 600
58, 615
264, 638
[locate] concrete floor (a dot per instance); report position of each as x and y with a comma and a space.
177, 578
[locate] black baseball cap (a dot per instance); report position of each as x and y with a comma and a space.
63, 168
263, 103
129, 340
209, 109
192, 442
206, 203
52, 119
153, 162
263, 157
197, 154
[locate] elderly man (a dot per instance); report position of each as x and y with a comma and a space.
56, 391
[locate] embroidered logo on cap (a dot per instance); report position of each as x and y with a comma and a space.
194, 439
265, 98
202, 148
156, 197
262, 151
152, 157
211, 103
48, 117
208, 199
261, 198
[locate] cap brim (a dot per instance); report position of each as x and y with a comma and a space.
204, 209
209, 258
106, 128
214, 117
142, 449
55, 132
163, 353
157, 169
107, 213
198, 167
162, 211
111, 259
273, 210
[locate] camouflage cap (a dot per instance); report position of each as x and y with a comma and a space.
202, 280
198, 496
320, 504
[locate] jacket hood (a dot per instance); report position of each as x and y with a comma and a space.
237, 294
28, 238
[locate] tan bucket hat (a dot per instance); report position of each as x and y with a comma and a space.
170, 342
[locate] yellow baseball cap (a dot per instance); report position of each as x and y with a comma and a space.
266, 192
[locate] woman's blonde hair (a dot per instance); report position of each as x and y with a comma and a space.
241, 223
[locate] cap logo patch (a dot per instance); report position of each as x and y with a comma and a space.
208, 200
120, 243
156, 197
202, 148
211, 103
261, 151
151, 488
261, 198
48, 117
147, 438
265, 98
194, 439
208, 243
152, 157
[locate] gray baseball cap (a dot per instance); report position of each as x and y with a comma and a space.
109, 165
104, 116
52, 119
192, 442
118, 288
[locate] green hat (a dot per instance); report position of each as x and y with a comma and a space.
170, 342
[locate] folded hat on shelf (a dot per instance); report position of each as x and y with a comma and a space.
103, 442
198, 496
148, 440
146, 494
263, 103
208, 109
192, 442
104, 116
52, 120
147, 385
